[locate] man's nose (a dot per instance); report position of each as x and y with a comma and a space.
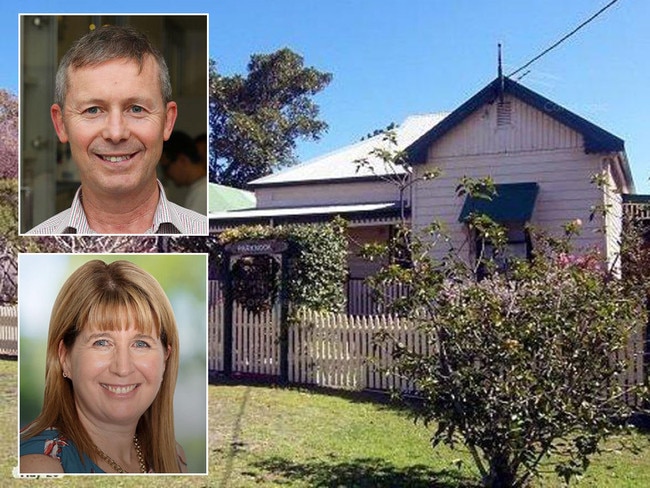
116, 128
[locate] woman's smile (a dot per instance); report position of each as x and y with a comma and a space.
120, 390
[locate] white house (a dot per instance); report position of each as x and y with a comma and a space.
541, 156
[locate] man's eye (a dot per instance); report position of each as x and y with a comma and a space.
92, 110
137, 109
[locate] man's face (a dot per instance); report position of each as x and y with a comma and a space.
115, 120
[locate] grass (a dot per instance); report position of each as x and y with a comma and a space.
262, 436
268, 437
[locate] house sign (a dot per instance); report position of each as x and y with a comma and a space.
254, 247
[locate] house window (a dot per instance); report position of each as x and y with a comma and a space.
511, 206
518, 247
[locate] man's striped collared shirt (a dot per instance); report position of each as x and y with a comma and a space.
169, 218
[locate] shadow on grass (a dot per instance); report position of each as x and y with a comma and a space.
383, 399
641, 420
361, 473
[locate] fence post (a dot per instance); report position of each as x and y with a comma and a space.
227, 316
284, 322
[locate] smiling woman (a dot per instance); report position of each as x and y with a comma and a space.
112, 363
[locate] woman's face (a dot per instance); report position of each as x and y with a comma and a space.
116, 374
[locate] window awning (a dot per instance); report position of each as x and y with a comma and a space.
513, 202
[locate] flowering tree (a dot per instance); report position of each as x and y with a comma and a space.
525, 359
523, 362
8, 194
96, 244
8, 135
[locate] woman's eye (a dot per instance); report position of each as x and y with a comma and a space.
101, 343
141, 344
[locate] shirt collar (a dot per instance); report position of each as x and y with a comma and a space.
165, 220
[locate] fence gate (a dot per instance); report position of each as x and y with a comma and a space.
254, 310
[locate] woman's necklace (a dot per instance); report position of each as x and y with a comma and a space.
117, 467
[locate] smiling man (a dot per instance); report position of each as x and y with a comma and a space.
114, 108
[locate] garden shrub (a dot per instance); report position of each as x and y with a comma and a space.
527, 361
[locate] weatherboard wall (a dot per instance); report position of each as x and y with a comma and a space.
613, 202
326, 193
525, 145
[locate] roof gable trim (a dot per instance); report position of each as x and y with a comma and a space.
596, 140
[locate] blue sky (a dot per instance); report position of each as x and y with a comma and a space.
393, 58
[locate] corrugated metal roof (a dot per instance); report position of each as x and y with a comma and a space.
222, 198
307, 210
341, 164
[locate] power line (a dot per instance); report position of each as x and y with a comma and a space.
547, 50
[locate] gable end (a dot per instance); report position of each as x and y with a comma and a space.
596, 140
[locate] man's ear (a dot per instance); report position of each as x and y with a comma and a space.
56, 113
171, 112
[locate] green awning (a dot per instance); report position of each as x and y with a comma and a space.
513, 202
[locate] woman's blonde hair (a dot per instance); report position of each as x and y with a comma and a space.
111, 297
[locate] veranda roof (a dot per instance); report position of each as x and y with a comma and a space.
358, 214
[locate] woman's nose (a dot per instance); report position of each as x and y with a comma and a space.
122, 363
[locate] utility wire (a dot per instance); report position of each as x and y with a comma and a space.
547, 50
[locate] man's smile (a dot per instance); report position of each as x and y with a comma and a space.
116, 158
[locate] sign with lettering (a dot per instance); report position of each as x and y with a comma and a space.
254, 247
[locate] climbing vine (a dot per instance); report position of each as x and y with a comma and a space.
316, 270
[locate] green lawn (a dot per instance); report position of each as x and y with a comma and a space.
266, 437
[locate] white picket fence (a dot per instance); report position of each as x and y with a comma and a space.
339, 350
9, 330
634, 355
324, 349
256, 349
343, 351
215, 327
255, 346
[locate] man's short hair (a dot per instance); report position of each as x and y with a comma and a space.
180, 143
106, 43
